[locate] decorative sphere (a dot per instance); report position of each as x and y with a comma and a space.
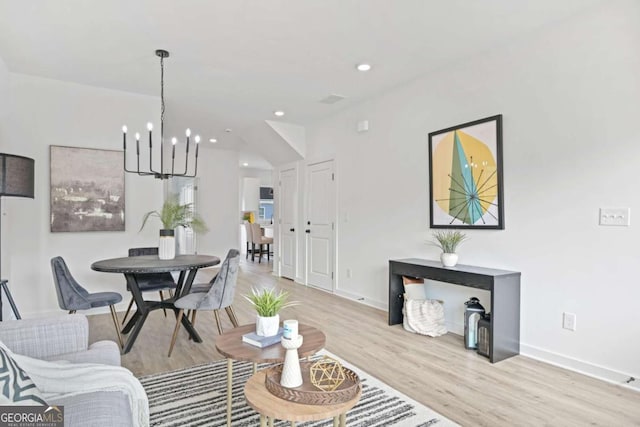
327, 374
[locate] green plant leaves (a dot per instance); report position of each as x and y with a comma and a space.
267, 302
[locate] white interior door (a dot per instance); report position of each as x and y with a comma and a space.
287, 204
320, 224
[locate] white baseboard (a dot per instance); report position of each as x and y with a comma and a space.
587, 368
366, 301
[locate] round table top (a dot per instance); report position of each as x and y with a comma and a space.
267, 404
153, 264
230, 345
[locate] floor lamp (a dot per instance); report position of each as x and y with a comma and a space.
16, 180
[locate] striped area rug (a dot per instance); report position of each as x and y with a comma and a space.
196, 396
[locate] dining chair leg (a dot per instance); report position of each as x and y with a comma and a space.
72, 311
260, 253
216, 314
126, 313
232, 316
114, 315
193, 318
268, 252
175, 331
162, 299
253, 252
247, 255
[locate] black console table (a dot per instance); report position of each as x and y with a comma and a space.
503, 285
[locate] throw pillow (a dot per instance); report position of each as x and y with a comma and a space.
413, 288
15, 385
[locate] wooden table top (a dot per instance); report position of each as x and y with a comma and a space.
265, 403
230, 345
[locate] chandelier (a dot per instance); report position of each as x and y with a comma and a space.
161, 173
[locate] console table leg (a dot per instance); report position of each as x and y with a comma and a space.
336, 421
343, 419
229, 391
255, 368
263, 421
270, 421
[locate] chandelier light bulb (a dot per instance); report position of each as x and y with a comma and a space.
149, 126
137, 136
174, 140
124, 129
197, 139
188, 132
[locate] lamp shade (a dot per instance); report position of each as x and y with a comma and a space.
16, 176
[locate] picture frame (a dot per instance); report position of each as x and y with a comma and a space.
87, 191
465, 176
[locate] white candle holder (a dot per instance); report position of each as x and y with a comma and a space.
291, 375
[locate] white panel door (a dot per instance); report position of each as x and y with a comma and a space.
319, 225
287, 204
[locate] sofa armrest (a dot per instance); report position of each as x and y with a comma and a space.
46, 337
102, 352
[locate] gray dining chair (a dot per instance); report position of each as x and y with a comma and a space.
150, 282
220, 295
73, 297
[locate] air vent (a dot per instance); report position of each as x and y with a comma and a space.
332, 99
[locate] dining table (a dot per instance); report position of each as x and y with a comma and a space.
131, 267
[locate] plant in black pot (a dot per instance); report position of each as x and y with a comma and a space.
173, 215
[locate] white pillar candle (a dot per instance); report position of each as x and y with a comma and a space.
290, 329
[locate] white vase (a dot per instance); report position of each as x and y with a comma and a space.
167, 244
449, 260
291, 374
267, 326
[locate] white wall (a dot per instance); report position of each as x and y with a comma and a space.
218, 199
47, 112
569, 95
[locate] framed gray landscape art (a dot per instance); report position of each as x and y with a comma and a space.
87, 189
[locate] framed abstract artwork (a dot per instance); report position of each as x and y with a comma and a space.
87, 189
465, 175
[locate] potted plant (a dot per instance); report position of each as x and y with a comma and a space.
268, 304
173, 215
448, 241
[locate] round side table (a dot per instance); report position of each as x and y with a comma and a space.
271, 407
230, 345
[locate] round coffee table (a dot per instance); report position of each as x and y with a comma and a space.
272, 407
230, 345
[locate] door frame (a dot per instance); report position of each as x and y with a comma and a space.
334, 218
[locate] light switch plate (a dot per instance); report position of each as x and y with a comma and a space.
615, 216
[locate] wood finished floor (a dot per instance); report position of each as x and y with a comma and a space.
437, 372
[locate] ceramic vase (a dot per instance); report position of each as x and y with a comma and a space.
167, 244
267, 326
449, 260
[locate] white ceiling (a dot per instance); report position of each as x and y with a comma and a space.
234, 62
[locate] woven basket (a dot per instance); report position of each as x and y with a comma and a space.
307, 393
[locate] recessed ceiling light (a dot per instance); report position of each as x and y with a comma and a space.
213, 140
279, 113
363, 67
228, 130
245, 164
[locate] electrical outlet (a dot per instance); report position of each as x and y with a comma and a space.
615, 216
569, 321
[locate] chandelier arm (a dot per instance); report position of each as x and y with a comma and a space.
150, 153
